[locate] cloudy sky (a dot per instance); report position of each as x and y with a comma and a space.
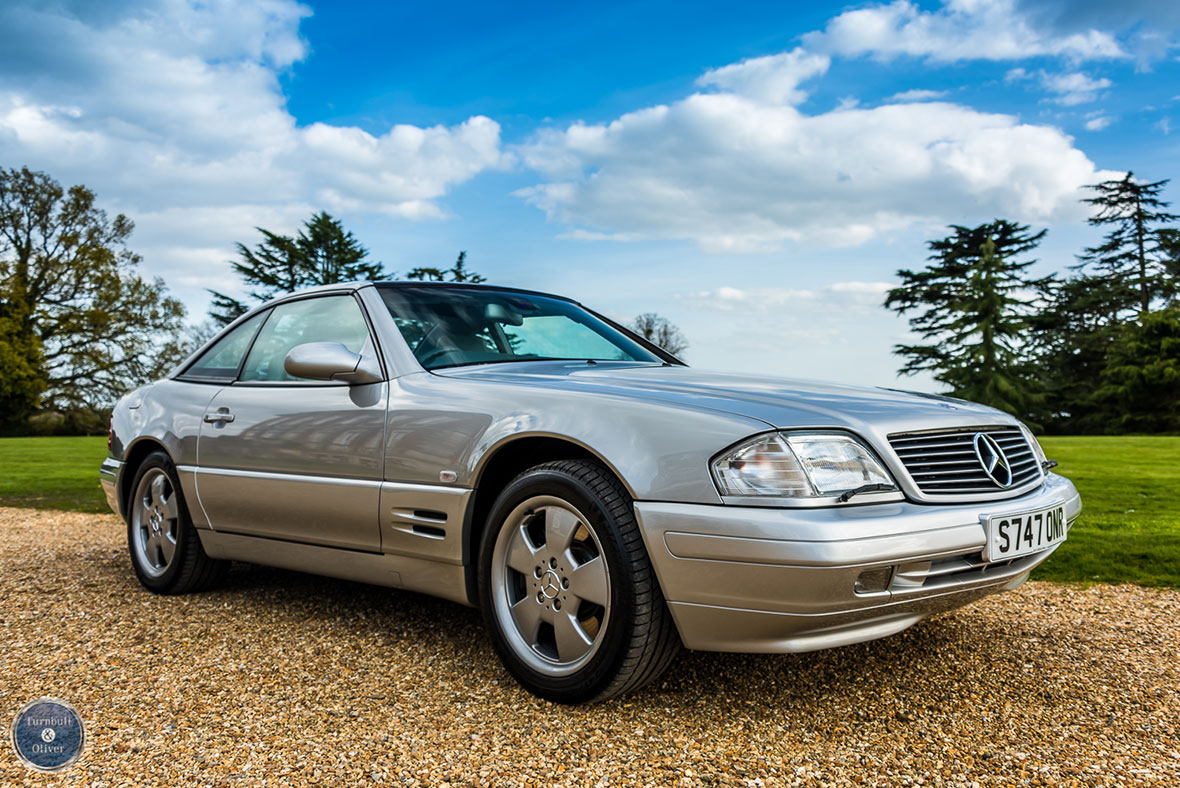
756, 172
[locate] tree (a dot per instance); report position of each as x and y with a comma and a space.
973, 308
1169, 240
21, 379
660, 331
323, 253
1134, 251
1140, 389
1069, 337
456, 273
74, 306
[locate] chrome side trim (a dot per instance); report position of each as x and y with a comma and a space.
282, 477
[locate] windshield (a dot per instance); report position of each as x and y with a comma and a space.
452, 327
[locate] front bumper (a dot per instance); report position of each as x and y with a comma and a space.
784, 580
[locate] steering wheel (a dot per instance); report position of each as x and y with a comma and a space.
437, 352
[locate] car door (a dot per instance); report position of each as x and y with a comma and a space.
295, 459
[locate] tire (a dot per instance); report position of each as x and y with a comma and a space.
567, 590
165, 549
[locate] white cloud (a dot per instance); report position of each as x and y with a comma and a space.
842, 295
1098, 122
172, 110
1074, 88
734, 173
774, 78
837, 331
917, 95
960, 30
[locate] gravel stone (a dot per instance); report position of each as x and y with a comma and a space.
283, 679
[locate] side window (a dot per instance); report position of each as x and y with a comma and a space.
224, 356
322, 319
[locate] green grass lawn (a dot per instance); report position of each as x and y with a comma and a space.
1129, 531
52, 473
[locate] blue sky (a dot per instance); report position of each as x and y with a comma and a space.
756, 172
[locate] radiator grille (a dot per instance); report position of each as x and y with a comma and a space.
945, 463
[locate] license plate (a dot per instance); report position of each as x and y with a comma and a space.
1013, 535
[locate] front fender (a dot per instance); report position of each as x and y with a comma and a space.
659, 450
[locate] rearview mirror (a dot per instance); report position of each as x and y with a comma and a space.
330, 361
498, 313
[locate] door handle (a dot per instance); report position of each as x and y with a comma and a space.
218, 418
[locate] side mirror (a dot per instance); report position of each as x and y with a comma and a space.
330, 361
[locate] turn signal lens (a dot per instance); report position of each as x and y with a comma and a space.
765, 467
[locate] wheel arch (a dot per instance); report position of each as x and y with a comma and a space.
502, 463
136, 453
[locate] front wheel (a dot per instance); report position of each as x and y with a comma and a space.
567, 589
165, 549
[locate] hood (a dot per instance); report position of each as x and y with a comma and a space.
780, 402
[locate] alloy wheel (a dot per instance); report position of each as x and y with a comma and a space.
551, 586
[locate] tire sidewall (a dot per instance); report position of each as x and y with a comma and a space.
167, 579
598, 672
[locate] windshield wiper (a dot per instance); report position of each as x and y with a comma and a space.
865, 488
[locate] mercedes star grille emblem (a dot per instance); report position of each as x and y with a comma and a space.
992, 458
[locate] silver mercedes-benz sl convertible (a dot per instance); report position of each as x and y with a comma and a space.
600, 501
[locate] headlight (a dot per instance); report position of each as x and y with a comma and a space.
799, 465
1038, 452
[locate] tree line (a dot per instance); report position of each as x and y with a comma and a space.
79, 325
1094, 351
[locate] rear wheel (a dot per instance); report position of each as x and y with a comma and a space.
567, 589
165, 549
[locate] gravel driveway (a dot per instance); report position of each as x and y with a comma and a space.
287, 679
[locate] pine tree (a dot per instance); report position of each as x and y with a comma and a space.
1134, 251
1140, 388
1071, 334
456, 273
330, 254
973, 309
323, 253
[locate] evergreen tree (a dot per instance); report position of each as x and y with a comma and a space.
331, 255
1071, 334
1140, 389
456, 273
1134, 251
323, 253
972, 307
